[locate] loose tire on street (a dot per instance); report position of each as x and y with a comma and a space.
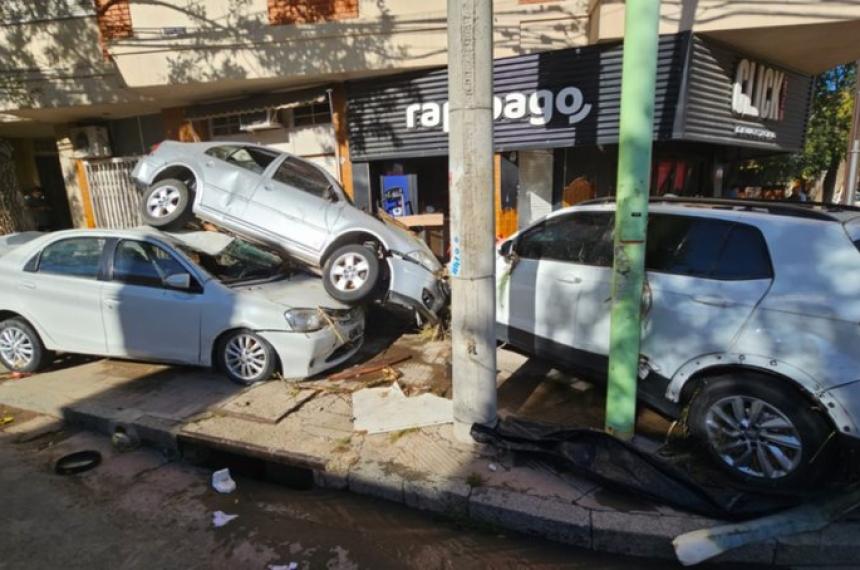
351, 273
21, 348
761, 431
246, 358
167, 204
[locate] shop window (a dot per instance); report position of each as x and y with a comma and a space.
225, 126
307, 115
310, 11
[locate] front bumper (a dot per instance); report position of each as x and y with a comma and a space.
414, 287
307, 354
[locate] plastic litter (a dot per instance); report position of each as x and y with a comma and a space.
290, 566
222, 482
220, 518
493, 467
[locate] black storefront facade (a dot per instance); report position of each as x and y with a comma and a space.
556, 121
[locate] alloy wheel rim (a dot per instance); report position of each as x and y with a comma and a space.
163, 201
245, 357
753, 437
350, 272
16, 347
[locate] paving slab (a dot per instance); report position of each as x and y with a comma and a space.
267, 403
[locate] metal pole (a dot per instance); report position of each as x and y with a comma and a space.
639, 70
473, 304
850, 192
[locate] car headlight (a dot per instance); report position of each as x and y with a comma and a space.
304, 320
425, 259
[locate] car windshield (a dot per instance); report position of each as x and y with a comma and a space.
230, 259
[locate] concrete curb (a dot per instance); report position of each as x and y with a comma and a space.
637, 534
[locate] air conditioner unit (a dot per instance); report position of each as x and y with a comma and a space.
90, 142
260, 121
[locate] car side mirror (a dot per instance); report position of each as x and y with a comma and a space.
178, 281
329, 195
506, 250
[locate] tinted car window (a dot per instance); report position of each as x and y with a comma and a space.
76, 257
583, 237
142, 263
302, 175
744, 255
684, 245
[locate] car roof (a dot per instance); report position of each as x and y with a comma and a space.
808, 210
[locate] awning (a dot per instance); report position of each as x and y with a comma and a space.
254, 103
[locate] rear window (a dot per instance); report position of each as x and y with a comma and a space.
707, 248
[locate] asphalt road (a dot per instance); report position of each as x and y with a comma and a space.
138, 510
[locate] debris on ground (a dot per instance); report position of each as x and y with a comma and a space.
380, 410
364, 369
700, 545
6, 419
621, 466
220, 518
493, 467
222, 482
290, 566
20, 375
123, 441
77, 462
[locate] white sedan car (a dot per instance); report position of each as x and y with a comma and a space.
201, 298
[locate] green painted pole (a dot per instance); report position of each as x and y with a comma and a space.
639, 70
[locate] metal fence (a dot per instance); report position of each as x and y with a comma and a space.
116, 199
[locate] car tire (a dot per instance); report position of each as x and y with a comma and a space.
351, 273
167, 204
761, 431
21, 348
246, 358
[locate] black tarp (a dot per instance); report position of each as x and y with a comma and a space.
621, 466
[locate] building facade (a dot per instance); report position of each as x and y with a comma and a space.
359, 87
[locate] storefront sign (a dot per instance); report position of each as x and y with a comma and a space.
759, 91
757, 133
538, 106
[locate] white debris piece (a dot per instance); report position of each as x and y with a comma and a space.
220, 518
380, 410
222, 482
290, 566
493, 467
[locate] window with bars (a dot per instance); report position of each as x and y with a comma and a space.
223, 126
314, 114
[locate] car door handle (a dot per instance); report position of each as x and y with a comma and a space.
26, 285
712, 300
571, 280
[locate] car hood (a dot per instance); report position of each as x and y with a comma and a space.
297, 292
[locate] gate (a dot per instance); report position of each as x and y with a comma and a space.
115, 198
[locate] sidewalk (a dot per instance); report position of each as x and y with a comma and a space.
309, 425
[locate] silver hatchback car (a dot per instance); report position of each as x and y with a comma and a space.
291, 204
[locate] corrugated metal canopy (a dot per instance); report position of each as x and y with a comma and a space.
259, 102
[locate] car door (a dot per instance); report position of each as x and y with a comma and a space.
705, 277
294, 205
538, 288
231, 174
66, 291
143, 317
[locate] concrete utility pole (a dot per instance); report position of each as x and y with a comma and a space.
850, 191
473, 303
639, 71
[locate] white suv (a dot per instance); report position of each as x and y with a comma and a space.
751, 321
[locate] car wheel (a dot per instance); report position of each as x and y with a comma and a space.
167, 204
760, 431
246, 358
21, 349
351, 273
